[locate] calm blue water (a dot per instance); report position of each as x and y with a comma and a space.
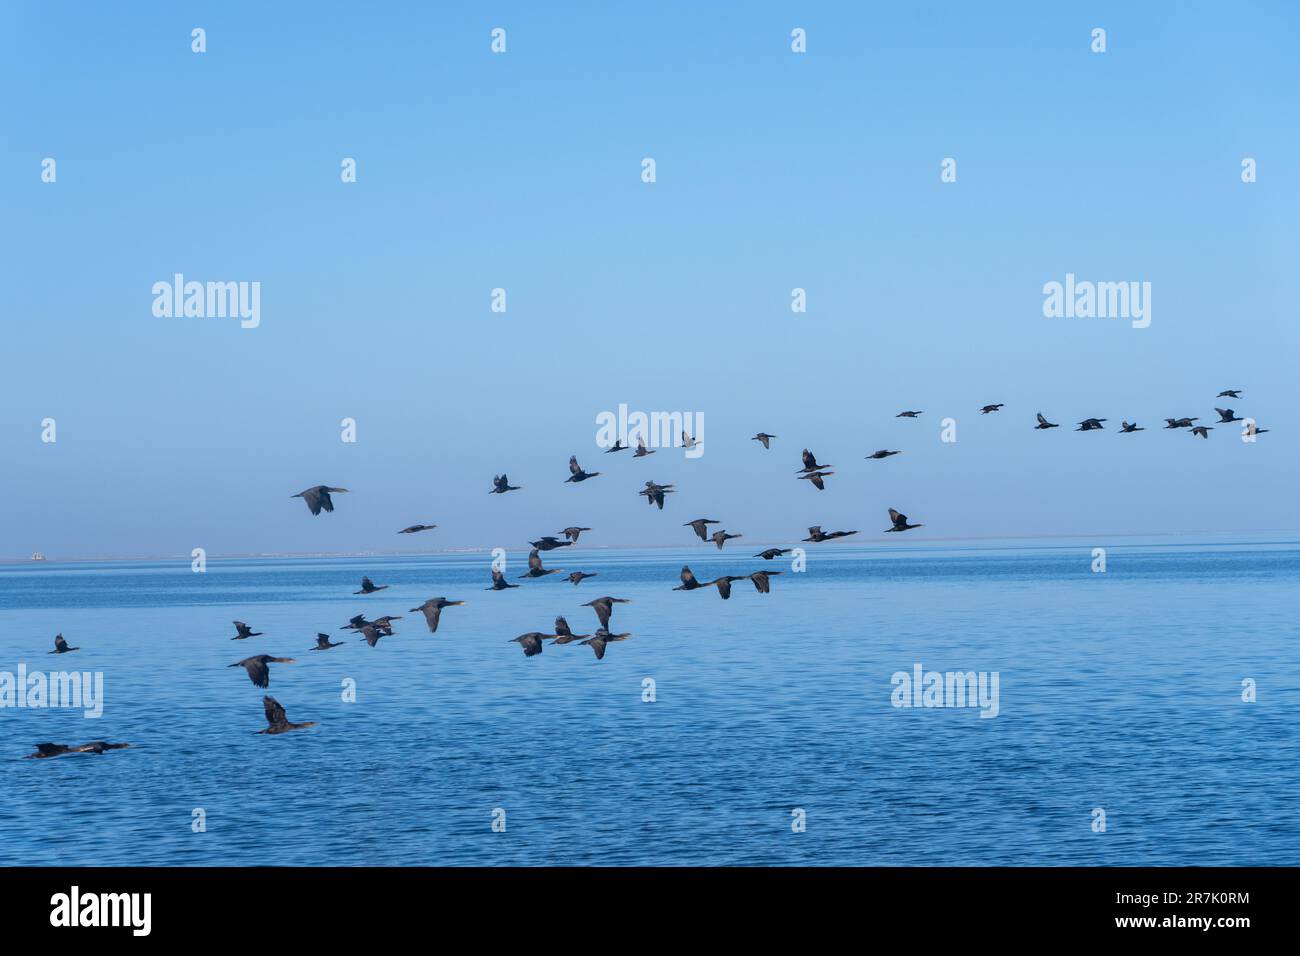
1119, 690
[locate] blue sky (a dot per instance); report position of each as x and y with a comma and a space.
522, 171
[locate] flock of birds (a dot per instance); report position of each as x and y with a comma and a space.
319, 498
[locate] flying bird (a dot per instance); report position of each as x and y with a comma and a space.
604, 607
1202, 431
700, 526
810, 462
771, 553
549, 543
243, 632
1229, 393
1126, 427
563, 635
1090, 424
369, 587
763, 437
641, 449
617, 446
883, 453
907, 414
371, 634
760, 579
1044, 423
990, 408
654, 493
258, 672
1227, 416
576, 473
577, 577
501, 484
900, 522
323, 643
721, 537
815, 533
432, 609
688, 442
535, 569
573, 533
58, 750
276, 721
602, 637
61, 646
383, 624
723, 584
417, 527
816, 479
1179, 422
499, 582
530, 642
319, 497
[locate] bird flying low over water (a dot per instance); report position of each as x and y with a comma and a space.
763, 437
577, 577
723, 584
61, 646
576, 473
883, 453
815, 533
243, 632
604, 607
1126, 427
417, 527
276, 721
816, 478
654, 493
563, 635
721, 537
573, 532
319, 497
58, 750
530, 642
501, 484
900, 522
602, 637
990, 408
760, 579
372, 633
641, 449
908, 414
1229, 393
700, 526
810, 462
258, 671
771, 553
1227, 416
499, 582
535, 569
369, 587
432, 609
382, 624
617, 446
1202, 431
323, 643
1179, 422
1090, 424
549, 543
1044, 423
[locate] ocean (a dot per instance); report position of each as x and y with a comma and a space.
1145, 714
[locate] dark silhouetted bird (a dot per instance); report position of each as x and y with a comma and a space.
602, 637
577, 577
1179, 422
501, 484
530, 642
1090, 424
499, 582
1044, 423
907, 414
654, 493
763, 437
383, 624
323, 643
771, 553
641, 449
573, 532
417, 527
549, 543
371, 634
900, 522
1125, 427
319, 497
816, 478
883, 453
815, 533
369, 587
1229, 393
258, 671
721, 537
723, 584
700, 527
61, 646
57, 750
432, 609
990, 408
1202, 431
563, 635
760, 579
1227, 416
617, 446
535, 569
810, 463
276, 721
576, 473
604, 607
243, 632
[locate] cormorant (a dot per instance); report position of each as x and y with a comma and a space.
499, 582
641, 449
760, 579
1044, 423
771, 553
61, 646
258, 672
907, 414
276, 721
576, 473
883, 453
1179, 422
1202, 431
323, 643
763, 437
721, 537
535, 569
58, 750
549, 543
573, 533
723, 584
990, 408
815, 533
604, 607
501, 484
700, 526
432, 609
1229, 393
577, 577
369, 587
530, 642
563, 635
1090, 424
602, 637
617, 446
816, 479
688, 442
900, 522
654, 493
371, 634
810, 462
243, 632
319, 497
1227, 416
1125, 427
383, 624
417, 527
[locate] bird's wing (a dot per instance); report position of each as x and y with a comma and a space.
274, 712
574, 467
818, 483
688, 577
534, 560
258, 672
431, 614
809, 459
895, 517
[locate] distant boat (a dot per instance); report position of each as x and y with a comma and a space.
37, 556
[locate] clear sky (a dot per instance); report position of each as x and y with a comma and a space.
522, 170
